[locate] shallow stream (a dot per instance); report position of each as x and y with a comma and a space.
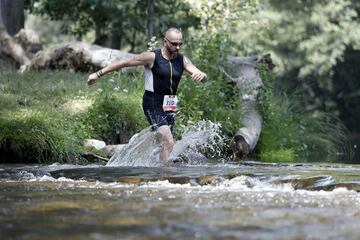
248, 200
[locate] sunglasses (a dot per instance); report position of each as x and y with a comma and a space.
174, 44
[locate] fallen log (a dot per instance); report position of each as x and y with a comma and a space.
244, 73
76, 56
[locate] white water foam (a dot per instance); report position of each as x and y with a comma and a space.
204, 135
243, 185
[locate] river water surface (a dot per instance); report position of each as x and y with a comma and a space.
248, 200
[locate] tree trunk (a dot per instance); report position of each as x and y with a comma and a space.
9, 47
116, 37
150, 14
100, 37
133, 41
12, 13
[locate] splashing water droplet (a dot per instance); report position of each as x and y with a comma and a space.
144, 148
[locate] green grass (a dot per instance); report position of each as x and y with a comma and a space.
290, 133
280, 155
45, 116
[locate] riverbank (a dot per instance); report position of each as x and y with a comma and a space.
47, 115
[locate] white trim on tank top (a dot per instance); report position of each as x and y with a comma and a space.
149, 79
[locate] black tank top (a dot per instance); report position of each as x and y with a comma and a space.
165, 75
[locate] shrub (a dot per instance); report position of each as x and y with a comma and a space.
35, 138
290, 132
115, 117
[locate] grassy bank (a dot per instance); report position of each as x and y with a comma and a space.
45, 116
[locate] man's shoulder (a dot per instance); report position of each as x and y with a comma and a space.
156, 51
147, 55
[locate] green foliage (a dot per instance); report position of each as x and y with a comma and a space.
35, 88
115, 118
309, 41
217, 100
290, 132
221, 16
8, 101
117, 23
47, 115
34, 137
324, 30
279, 155
33, 125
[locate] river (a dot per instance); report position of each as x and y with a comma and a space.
212, 200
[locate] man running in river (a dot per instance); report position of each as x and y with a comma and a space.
163, 71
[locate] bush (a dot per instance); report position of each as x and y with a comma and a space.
33, 126
35, 138
115, 117
290, 132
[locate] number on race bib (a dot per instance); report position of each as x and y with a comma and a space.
170, 102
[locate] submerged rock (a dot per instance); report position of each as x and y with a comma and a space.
306, 183
348, 185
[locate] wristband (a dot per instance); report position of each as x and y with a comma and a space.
99, 73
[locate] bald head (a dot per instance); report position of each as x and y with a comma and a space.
173, 32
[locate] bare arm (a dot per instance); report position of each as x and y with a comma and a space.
196, 74
144, 59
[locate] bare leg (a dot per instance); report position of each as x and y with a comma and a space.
168, 143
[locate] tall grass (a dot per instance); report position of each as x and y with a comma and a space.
36, 138
45, 116
290, 133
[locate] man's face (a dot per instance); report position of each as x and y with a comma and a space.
173, 42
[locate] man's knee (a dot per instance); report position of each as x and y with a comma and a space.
168, 142
167, 137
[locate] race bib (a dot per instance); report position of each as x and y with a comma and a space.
170, 102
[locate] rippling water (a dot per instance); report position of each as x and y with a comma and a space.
210, 201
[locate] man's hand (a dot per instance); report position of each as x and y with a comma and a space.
199, 76
92, 79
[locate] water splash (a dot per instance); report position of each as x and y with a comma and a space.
144, 148
205, 136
